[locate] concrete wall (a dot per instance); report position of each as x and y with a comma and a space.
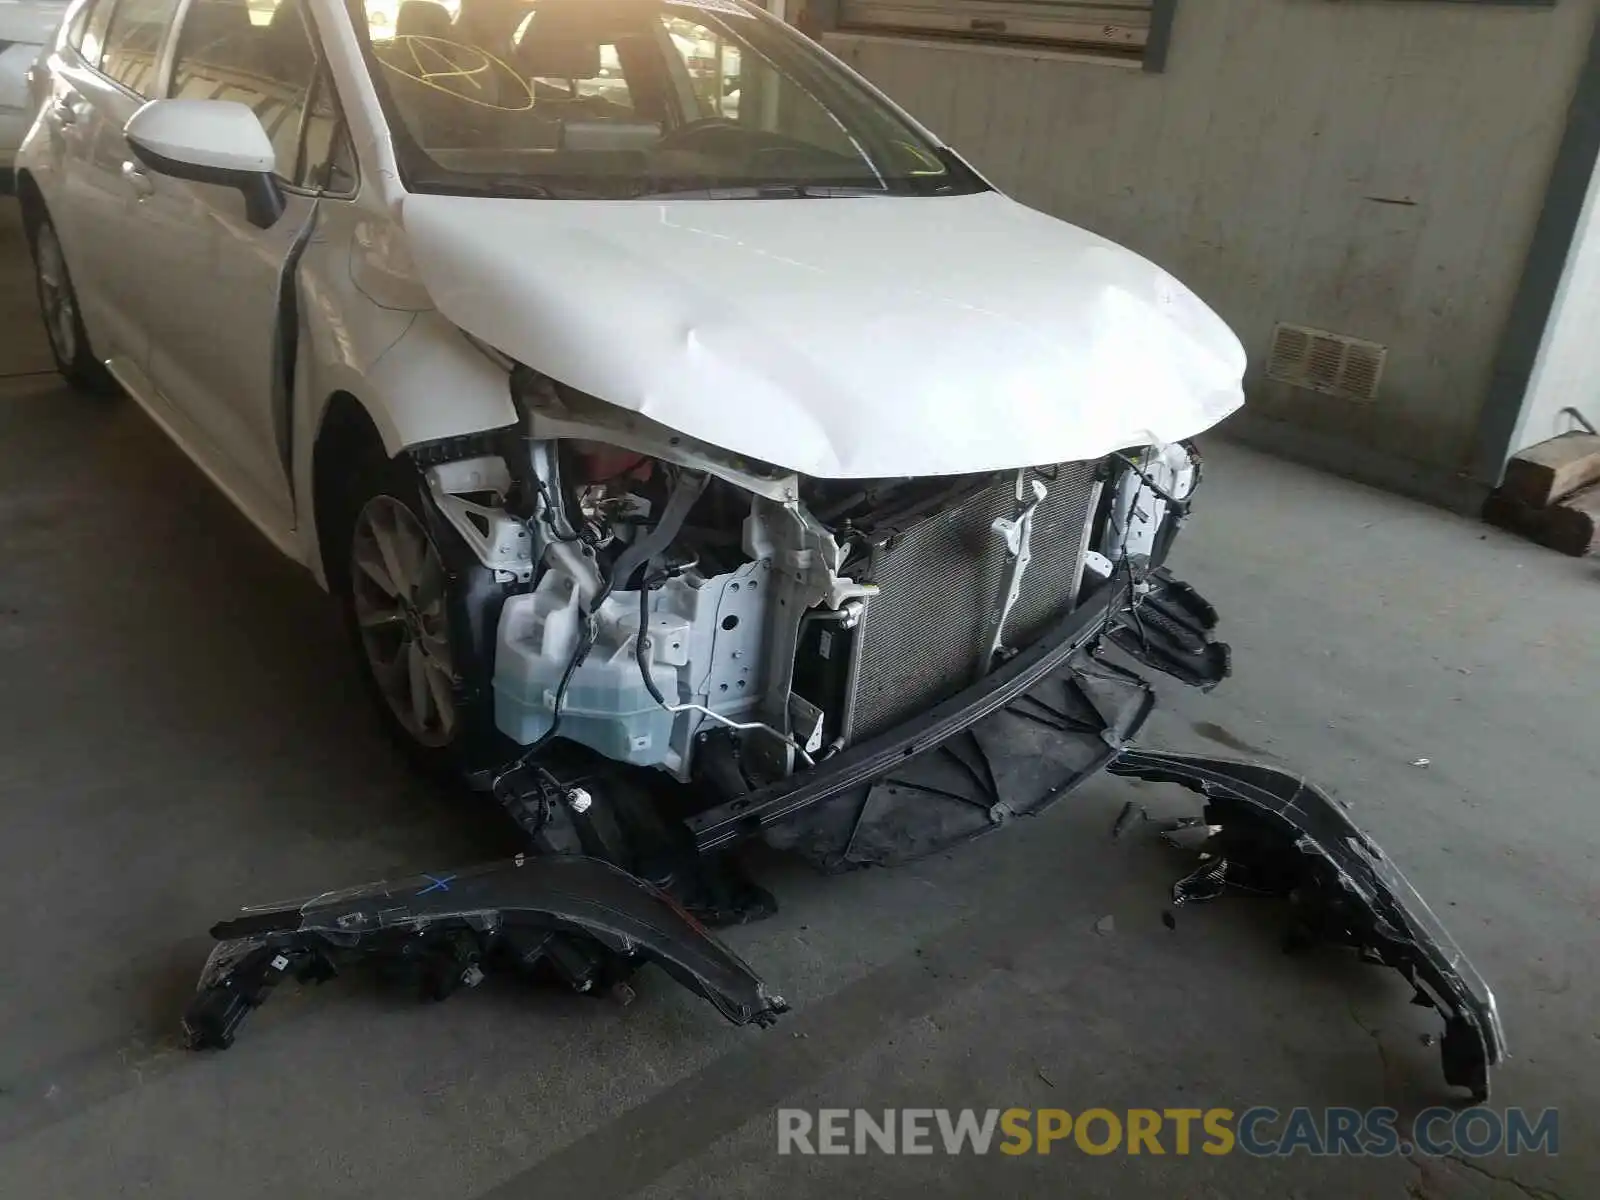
1567, 371
1370, 168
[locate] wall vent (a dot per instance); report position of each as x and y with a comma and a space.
1331, 363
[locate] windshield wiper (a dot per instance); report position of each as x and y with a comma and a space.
512, 186
515, 185
765, 191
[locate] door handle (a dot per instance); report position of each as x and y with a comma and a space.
134, 175
64, 112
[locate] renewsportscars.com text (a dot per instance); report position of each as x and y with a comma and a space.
1260, 1132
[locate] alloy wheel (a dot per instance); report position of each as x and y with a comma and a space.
397, 587
55, 296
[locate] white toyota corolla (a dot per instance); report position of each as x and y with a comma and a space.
698, 447
506, 323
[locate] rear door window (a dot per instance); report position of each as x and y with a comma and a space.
93, 14
93, 42
132, 42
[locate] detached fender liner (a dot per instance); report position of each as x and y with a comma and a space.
1275, 833
585, 921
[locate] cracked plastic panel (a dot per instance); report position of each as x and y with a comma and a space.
460, 921
1276, 832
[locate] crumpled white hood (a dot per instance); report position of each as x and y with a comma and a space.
866, 337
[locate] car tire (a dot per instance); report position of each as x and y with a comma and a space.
422, 613
58, 307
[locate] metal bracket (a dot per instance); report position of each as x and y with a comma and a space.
500, 541
1018, 535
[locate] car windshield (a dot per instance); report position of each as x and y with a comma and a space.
624, 99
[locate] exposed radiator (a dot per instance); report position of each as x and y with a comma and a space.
925, 634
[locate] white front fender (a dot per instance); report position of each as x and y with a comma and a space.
434, 383
415, 374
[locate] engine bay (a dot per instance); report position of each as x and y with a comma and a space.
668, 606
663, 597
672, 607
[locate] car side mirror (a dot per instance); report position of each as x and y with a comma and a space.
210, 141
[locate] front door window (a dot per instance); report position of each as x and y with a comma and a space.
259, 53
132, 43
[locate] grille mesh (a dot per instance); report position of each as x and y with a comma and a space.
925, 634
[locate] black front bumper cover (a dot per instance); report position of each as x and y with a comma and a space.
1274, 832
924, 786
586, 922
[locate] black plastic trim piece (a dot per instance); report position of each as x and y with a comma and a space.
1078, 718
584, 920
1170, 631
1277, 833
263, 199
748, 815
286, 346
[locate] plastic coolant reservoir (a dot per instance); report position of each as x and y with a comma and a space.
606, 706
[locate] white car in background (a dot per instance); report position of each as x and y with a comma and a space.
26, 28
684, 476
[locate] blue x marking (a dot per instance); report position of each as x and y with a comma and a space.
437, 885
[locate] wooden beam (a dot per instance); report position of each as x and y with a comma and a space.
1541, 475
1575, 524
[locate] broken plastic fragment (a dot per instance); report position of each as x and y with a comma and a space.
1278, 834
1206, 882
582, 921
1130, 816
1187, 833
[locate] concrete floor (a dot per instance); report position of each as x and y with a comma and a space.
180, 733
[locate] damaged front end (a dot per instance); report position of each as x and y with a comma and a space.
687, 649
731, 626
